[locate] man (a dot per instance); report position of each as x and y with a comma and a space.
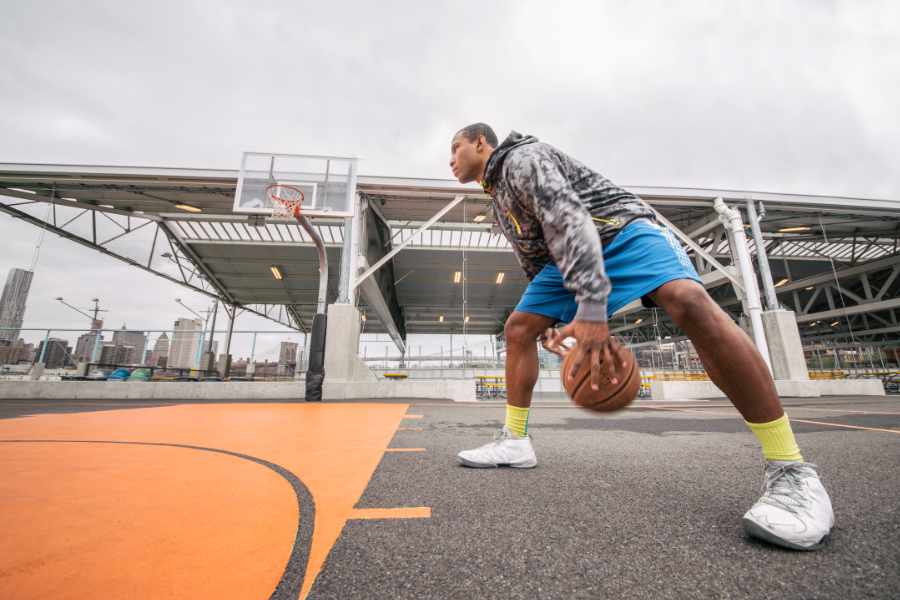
589, 248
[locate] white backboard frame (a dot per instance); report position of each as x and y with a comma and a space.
328, 183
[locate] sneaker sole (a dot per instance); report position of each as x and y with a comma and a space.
474, 465
764, 534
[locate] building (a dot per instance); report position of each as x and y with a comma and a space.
58, 354
12, 303
184, 349
115, 354
16, 353
287, 358
160, 353
135, 340
87, 343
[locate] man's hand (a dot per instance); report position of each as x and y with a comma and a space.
594, 344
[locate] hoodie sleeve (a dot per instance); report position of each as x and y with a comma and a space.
570, 233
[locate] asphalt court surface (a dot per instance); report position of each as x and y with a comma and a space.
365, 500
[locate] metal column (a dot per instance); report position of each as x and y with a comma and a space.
731, 218
762, 258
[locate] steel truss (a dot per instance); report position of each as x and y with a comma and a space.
106, 225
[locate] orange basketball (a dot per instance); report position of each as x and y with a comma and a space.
609, 397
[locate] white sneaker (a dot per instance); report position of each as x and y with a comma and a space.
794, 510
507, 450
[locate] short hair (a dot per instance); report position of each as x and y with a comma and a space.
471, 133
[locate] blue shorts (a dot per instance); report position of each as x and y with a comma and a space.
641, 258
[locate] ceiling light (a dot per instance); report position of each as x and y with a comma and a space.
480, 218
457, 276
364, 318
189, 208
440, 318
70, 199
794, 229
639, 321
467, 318
276, 272
500, 277
782, 281
835, 324
21, 190
809, 287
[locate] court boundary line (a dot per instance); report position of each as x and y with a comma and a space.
292, 578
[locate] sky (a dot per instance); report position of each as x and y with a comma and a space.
782, 96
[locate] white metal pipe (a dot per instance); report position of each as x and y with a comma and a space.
731, 218
762, 257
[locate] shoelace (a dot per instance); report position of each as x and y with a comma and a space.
782, 487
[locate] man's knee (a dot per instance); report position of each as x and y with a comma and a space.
524, 328
686, 301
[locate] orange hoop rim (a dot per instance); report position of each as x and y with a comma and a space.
290, 205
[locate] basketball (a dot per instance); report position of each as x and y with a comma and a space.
609, 397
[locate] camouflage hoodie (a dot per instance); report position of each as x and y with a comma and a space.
554, 209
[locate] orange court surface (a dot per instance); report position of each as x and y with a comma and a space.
185, 501
337, 500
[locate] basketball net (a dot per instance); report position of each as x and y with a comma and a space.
286, 200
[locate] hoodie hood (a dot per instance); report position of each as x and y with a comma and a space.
495, 163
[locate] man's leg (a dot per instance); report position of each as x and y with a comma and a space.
795, 510
512, 447
521, 331
729, 356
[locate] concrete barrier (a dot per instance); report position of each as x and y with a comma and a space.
458, 390
811, 388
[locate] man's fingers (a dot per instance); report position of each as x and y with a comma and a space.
595, 369
552, 342
576, 361
619, 352
608, 364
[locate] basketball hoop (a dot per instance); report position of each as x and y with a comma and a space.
286, 200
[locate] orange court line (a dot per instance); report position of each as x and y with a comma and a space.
416, 512
847, 426
413, 416
404, 449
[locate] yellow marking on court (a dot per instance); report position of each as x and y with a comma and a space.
413, 416
793, 420
404, 450
416, 512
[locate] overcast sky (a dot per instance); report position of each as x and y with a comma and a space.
774, 96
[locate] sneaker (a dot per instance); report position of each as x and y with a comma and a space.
507, 450
794, 510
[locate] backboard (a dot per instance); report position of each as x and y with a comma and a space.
328, 183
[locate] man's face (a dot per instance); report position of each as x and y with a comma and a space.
467, 158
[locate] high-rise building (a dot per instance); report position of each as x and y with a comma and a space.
58, 354
287, 358
159, 355
88, 342
12, 303
184, 347
134, 340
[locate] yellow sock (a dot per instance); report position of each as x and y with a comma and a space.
517, 420
777, 439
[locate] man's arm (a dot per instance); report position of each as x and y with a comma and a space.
575, 246
569, 231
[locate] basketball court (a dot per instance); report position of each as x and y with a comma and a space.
366, 500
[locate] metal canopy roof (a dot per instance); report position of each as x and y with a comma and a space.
231, 256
